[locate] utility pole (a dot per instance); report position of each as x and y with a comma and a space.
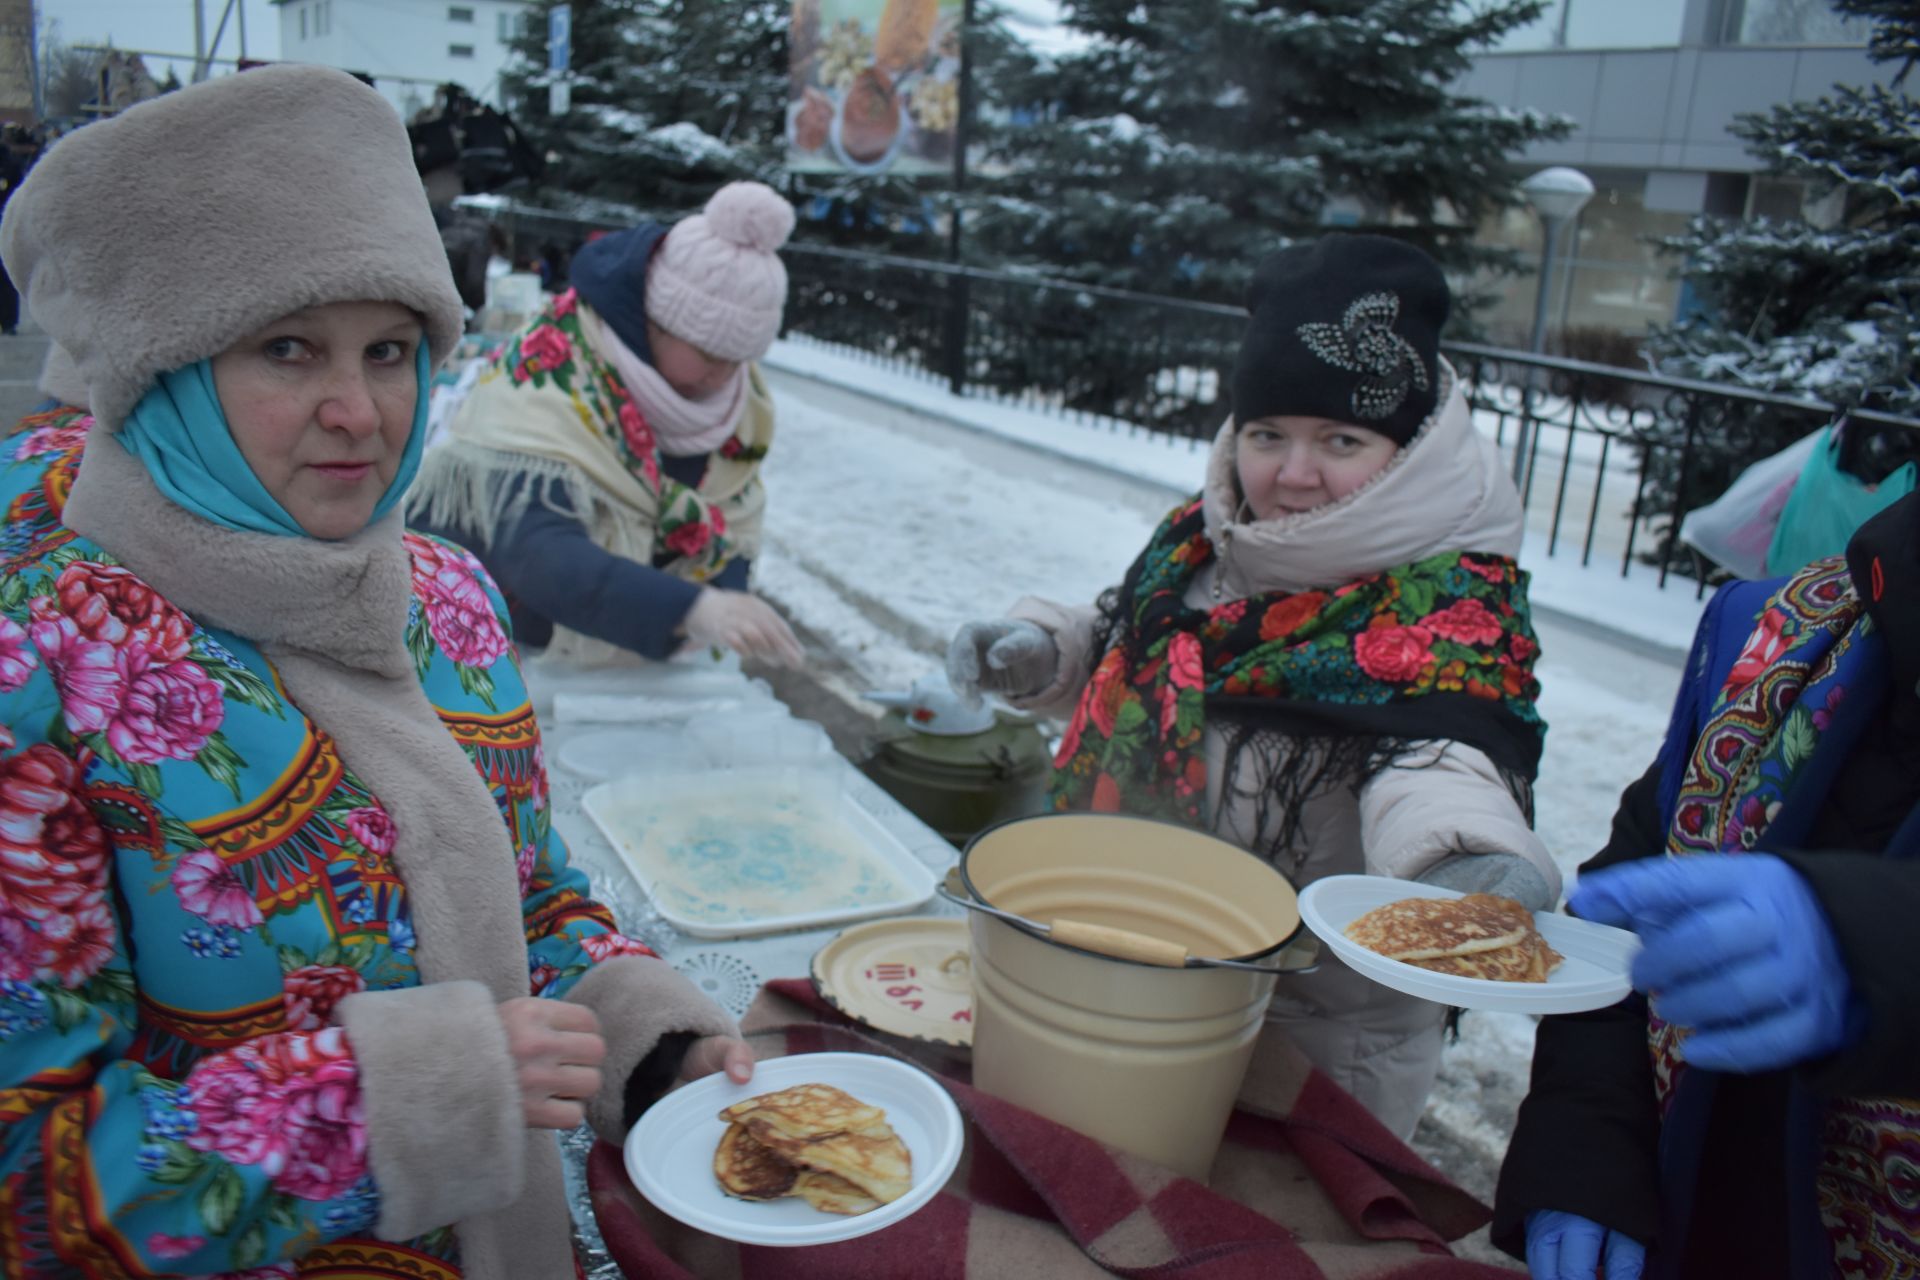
199, 41
243, 30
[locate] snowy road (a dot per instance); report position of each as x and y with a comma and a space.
886, 528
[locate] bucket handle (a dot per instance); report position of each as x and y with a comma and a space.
1122, 944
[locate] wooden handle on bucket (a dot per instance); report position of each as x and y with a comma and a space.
1122, 943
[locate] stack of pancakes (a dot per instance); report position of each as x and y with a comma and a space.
1478, 936
816, 1142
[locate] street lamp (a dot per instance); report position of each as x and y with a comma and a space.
1557, 195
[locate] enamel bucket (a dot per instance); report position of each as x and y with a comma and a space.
1141, 1056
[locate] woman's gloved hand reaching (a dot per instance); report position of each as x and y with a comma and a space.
1738, 950
744, 623
1566, 1246
1005, 656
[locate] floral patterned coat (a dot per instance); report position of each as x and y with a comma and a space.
190, 880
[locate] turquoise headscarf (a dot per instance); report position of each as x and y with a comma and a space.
180, 433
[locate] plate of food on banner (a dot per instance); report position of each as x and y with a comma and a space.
816, 1148
1469, 950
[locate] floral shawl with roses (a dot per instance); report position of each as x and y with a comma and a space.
191, 879
1346, 681
549, 411
1775, 733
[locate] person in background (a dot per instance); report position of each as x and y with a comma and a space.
19, 150
1752, 1111
294, 972
1327, 655
606, 467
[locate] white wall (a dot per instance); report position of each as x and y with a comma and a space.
404, 38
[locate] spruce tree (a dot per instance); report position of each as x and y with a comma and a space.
671, 99
1191, 137
1821, 311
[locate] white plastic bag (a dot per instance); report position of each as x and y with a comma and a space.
1735, 529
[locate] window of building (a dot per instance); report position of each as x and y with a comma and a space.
303, 22
460, 13
459, 51
509, 24
1792, 22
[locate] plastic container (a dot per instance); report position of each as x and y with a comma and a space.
1144, 1058
752, 739
727, 853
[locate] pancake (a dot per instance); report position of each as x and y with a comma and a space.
750, 1171
1477, 936
832, 1194
816, 1142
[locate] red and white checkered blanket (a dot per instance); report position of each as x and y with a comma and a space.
1307, 1186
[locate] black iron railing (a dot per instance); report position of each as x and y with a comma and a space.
1620, 455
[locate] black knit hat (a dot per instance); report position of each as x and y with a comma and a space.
1345, 327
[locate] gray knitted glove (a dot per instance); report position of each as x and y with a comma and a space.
1507, 875
1005, 656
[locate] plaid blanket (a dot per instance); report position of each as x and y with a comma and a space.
1307, 1186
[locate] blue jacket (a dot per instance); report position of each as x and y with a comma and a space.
546, 563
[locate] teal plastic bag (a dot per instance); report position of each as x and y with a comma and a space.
1827, 505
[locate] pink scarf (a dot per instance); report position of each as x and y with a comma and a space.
684, 428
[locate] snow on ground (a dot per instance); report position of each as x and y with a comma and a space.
888, 526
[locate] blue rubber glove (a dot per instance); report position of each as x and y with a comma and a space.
1737, 949
1566, 1246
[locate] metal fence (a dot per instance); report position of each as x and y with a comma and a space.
1609, 459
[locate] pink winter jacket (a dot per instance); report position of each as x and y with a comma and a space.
1446, 491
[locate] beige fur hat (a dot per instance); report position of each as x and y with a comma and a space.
164, 235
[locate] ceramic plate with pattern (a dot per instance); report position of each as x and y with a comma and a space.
909, 978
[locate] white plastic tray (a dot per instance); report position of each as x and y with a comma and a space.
728, 853
1594, 973
669, 1153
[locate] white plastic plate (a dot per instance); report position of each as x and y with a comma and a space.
1594, 973
599, 754
669, 1154
727, 853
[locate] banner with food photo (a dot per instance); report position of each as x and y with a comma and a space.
874, 86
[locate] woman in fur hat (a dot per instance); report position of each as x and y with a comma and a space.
1325, 656
606, 468
278, 886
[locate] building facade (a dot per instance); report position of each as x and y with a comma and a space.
407, 46
1653, 86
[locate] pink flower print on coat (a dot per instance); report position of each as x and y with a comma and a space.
287, 1103
67, 438
169, 1248
212, 890
373, 828
524, 863
459, 613
311, 993
1185, 668
16, 948
86, 672
540, 786
565, 303
71, 948
17, 658
108, 603
169, 712
605, 946
544, 350
53, 855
